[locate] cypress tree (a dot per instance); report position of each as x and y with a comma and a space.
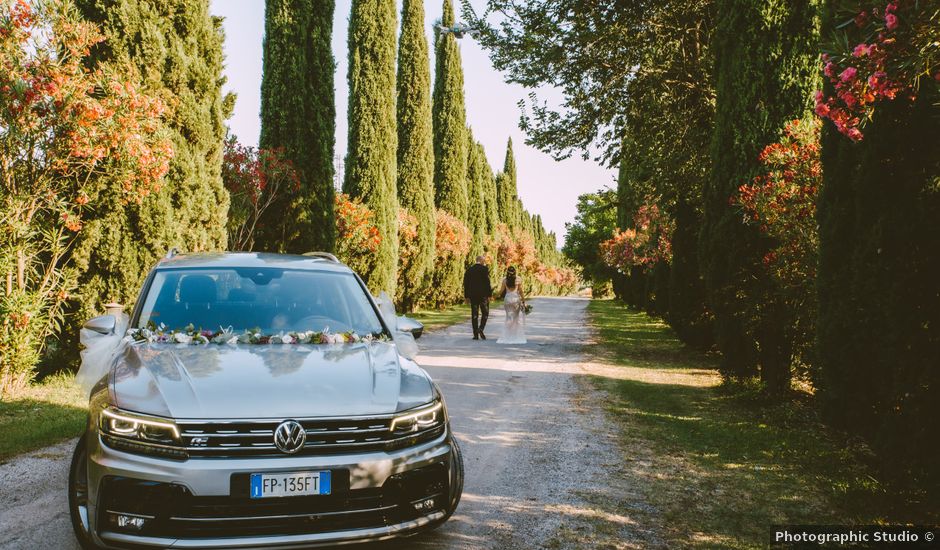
761, 83
450, 144
373, 136
176, 45
450, 122
506, 189
298, 116
490, 201
879, 283
476, 186
416, 146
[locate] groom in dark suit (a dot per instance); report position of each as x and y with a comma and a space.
477, 289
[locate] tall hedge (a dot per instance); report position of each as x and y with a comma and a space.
373, 135
687, 312
415, 147
879, 282
177, 47
298, 116
766, 64
450, 144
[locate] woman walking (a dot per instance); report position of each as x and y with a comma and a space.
514, 304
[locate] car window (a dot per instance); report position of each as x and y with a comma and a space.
269, 299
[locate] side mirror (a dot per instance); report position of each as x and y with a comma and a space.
407, 324
102, 325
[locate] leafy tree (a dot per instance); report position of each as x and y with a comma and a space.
415, 153
373, 136
74, 144
298, 117
594, 224
176, 47
255, 180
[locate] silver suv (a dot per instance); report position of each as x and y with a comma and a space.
328, 436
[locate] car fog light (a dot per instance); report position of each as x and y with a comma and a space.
129, 522
424, 505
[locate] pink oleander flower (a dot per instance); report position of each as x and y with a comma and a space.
849, 99
830, 69
891, 21
854, 134
848, 74
861, 50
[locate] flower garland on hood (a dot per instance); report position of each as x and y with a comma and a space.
160, 334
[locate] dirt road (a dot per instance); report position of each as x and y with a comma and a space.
543, 469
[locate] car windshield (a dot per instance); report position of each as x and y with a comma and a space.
270, 299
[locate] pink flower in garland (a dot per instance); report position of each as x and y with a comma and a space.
848, 74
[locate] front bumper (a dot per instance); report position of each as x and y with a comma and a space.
203, 503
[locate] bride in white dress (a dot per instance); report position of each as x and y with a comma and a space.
514, 304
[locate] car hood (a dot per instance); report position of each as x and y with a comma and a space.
267, 381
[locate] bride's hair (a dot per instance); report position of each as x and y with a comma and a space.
511, 277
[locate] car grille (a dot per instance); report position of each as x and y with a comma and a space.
324, 436
174, 512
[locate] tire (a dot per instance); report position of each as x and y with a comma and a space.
458, 488
78, 495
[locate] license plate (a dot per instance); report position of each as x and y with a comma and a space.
290, 484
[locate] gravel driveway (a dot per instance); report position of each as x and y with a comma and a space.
543, 469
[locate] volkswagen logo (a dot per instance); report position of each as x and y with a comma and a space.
289, 437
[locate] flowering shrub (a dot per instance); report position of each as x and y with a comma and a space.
63, 129
254, 179
357, 237
407, 250
880, 53
647, 243
453, 238
782, 202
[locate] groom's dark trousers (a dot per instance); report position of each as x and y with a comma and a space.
477, 289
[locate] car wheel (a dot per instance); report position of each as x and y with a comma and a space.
458, 487
78, 496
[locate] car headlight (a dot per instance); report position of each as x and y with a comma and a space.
417, 420
139, 433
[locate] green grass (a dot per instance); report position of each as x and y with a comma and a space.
45, 413
719, 462
434, 319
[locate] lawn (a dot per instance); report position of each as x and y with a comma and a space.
45, 413
434, 319
719, 464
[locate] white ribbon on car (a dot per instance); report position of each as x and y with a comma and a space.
98, 352
404, 340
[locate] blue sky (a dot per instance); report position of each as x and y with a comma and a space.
547, 187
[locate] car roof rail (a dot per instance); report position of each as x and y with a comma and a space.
323, 255
171, 252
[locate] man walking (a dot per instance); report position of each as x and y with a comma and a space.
477, 289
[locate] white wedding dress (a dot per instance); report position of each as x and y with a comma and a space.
514, 328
